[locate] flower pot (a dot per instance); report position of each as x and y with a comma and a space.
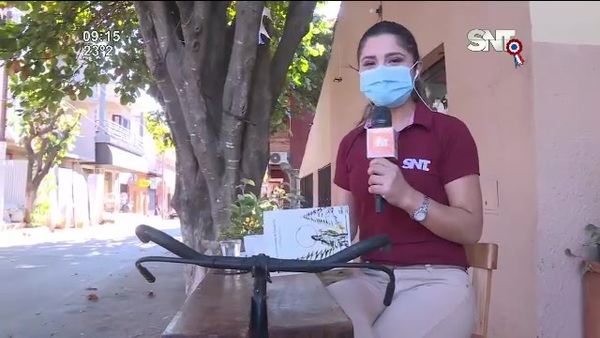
591, 300
231, 247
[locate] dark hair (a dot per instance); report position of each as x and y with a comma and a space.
405, 39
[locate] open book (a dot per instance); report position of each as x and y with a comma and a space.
310, 233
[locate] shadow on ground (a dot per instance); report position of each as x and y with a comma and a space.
86, 288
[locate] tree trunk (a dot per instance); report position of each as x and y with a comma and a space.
38, 166
30, 194
30, 197
218, 88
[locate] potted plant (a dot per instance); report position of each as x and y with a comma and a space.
591, 285
247, 213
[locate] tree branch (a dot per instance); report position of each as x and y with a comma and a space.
298, 21
237, 84
214, 70
193, 18
169, 78
255, 145
27, 140
168, 98
203, 140
50, 127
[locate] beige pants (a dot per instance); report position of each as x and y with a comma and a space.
429, 302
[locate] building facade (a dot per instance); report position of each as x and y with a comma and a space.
536, 134
287, 151
113, 166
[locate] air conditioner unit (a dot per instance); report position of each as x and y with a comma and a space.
278, 157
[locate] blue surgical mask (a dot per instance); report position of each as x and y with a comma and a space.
388, 86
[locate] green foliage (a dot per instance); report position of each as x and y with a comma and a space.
48, 135
62, 50
65, 48
157, 126
248, 209
306, 74
46, 63
43, 205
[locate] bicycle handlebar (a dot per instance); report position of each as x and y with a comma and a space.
146, 233
190, 256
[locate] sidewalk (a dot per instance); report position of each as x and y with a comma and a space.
124, 226
83, 283
127, 307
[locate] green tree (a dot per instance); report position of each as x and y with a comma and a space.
218, 86
156, 124
303, 83
46, 127
47, 135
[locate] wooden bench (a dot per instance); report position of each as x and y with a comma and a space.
299, 306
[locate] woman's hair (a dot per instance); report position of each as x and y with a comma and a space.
405, 39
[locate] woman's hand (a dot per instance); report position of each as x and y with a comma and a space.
386, 179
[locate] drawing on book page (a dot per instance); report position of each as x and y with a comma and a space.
309, 233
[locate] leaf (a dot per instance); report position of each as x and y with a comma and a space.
247, 181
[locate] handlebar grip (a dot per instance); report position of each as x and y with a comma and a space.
147, 233
358, 249
148, 276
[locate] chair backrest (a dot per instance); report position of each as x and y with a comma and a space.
483, 259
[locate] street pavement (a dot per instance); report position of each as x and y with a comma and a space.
83, 283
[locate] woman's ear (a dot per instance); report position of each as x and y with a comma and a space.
418, 69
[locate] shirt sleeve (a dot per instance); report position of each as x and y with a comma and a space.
341, 177
460, 153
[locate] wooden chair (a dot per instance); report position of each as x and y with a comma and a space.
483, 259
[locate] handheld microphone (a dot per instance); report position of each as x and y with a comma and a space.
381, 142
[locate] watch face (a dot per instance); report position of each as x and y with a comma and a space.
420, 216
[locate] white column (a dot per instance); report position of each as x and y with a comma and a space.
2, 176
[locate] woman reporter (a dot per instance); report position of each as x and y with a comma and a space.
434, 204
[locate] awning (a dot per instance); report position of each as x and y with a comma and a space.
107, 154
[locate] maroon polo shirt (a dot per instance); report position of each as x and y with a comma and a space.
434, 150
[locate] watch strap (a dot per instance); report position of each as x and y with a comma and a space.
424, 208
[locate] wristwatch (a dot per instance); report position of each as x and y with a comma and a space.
420, 214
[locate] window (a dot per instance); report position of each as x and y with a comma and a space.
120, 120
324, 186
306, 190
434, 79
117, 119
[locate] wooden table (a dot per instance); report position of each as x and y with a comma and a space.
299, 306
